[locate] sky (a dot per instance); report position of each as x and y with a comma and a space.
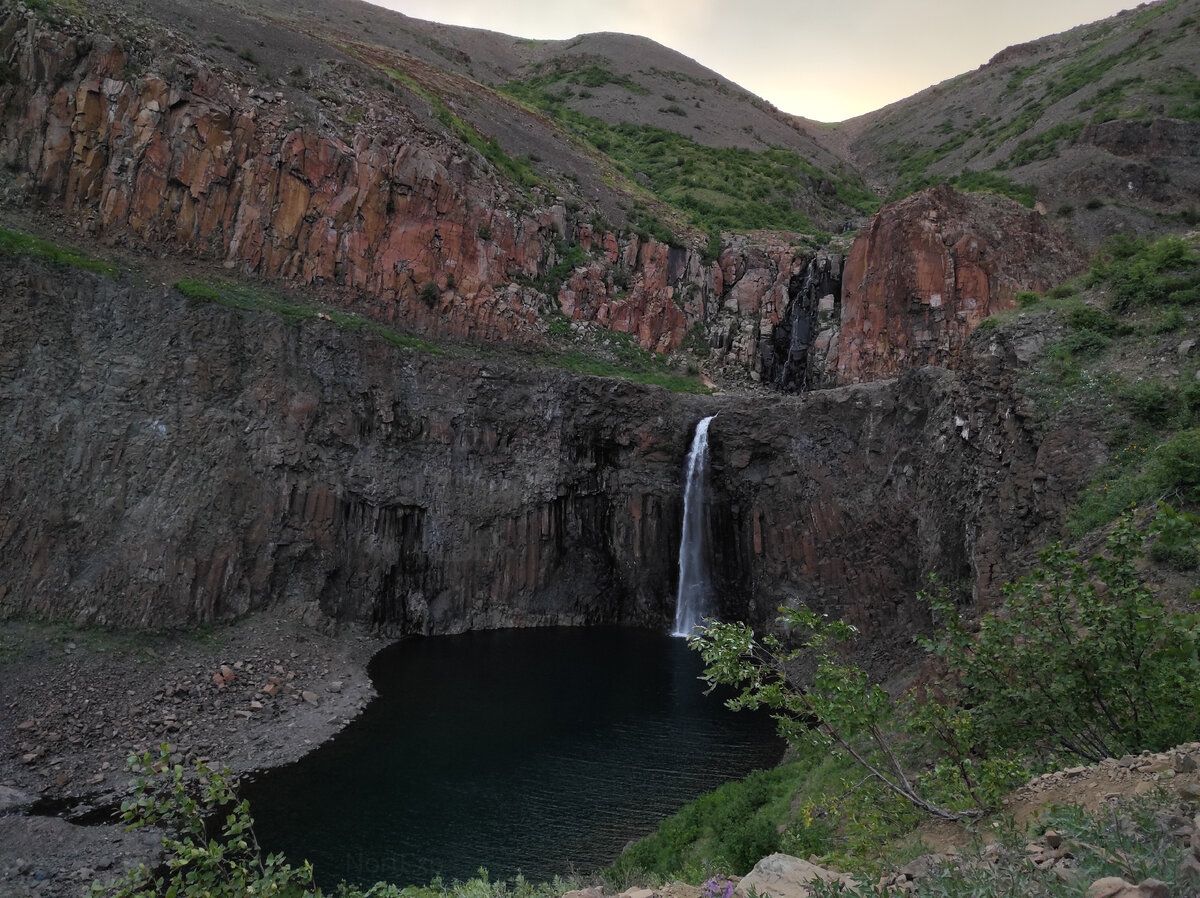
823, 59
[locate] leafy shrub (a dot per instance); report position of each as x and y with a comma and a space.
1139, 273
1151, 402
1171, 320
1175, 468
1093, 319
1175, 538
430, 294
1083, 658
1085, 343
1027, 297
208, 840
1062, 291
732, 827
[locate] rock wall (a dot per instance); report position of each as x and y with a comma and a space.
168, 463
196, 162
929, 268
164, 462
846, 499
200, 164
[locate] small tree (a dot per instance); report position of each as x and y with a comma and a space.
1081, 658
208, 839
840, 706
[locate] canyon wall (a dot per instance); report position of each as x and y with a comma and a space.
388, 216
927, 269
166, 462
409, 225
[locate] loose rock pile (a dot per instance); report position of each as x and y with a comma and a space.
263, 693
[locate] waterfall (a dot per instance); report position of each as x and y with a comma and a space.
691, 601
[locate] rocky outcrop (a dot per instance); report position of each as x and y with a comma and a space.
929, 268
1150, 138
397, 222
166, 462
846, 499
784, 876
411, 226
388, 216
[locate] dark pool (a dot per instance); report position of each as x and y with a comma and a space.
538, 751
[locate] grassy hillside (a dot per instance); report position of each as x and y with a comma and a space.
1099, 123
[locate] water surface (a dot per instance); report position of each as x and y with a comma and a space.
540, 751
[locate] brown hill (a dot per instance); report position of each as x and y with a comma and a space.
1102, 121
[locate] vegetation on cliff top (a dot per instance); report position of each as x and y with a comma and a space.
14, 243
716, 188
1126, 356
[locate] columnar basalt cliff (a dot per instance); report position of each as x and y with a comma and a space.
167, 462
411, 226
199, 164
928, 269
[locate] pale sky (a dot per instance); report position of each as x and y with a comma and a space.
821, 59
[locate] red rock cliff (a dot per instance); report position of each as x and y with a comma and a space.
215, 169
372, 213
927, 269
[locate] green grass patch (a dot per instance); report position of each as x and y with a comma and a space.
716, 188
15, 243
727, 830
517, 169
1044, 145
991, 182
617, 355
1108, 102
253, 299
1182, 91
1141, 473
1138, 273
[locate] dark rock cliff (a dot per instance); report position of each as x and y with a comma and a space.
165, 463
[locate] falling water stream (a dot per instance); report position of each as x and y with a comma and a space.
540, 751
692, 598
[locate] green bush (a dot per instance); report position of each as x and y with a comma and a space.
1175, 538
1089, 318
732, 828
1174, 471
1062, 291
208, 838
1151, 402
1082, 659
430, 294
1139, 273
1085, 343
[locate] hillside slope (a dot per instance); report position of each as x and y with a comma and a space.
1103, 121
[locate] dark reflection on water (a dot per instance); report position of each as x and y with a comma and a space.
539, 751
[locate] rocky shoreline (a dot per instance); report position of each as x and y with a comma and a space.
74, 704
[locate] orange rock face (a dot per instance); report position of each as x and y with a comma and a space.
217, 170
195, 164
926, 270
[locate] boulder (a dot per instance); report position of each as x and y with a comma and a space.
12, 800
784, 876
